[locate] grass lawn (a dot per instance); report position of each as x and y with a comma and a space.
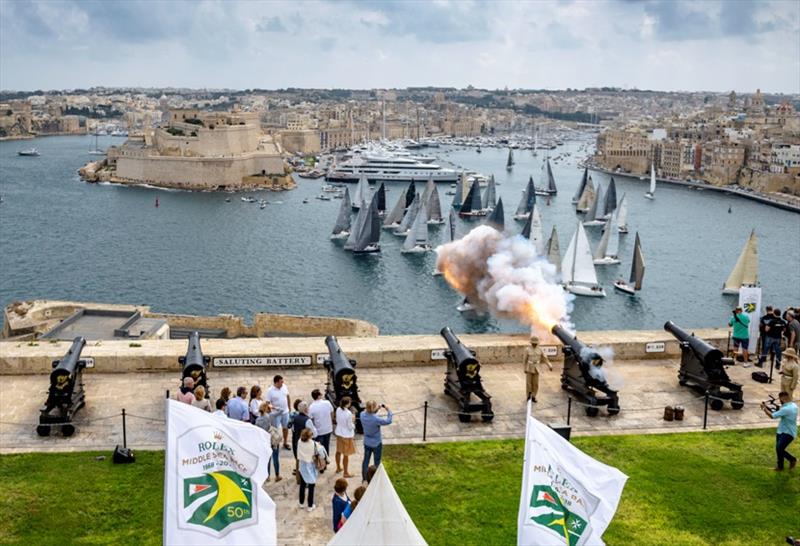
693, 489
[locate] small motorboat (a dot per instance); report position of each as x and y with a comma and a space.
305, 201
323, 197
31, 152
622, 286
227, 199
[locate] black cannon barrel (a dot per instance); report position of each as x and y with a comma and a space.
704, 350
339, 361
581, 351
194, 353
68, 364
461, 353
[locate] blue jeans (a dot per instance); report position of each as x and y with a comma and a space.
276, 460
325, 441
370, 452
782, 441
772, 344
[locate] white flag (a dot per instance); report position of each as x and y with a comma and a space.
568, 498
750, 302
213, 471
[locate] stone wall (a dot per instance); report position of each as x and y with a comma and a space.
270, 324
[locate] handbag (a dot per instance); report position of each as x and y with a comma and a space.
319, 461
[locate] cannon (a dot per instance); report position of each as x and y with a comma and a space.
703, 369
195, 363
462, 380
341, 379
582, 375
66, 395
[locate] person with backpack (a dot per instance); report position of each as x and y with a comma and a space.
265, 421
312, 460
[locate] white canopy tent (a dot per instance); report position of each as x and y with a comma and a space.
379, 520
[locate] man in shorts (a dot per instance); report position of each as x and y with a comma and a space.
278, 398
741, 333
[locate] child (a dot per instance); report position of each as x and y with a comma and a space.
340, 502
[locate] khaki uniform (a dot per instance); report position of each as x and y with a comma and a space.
533, 357
790, 372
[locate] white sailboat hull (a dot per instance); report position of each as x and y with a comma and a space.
342, 235
419, 249
401, 233
594, 223
623, 229
522, 216
369, 249
624, 287
583, 290
436, 273
436, 222
606, 260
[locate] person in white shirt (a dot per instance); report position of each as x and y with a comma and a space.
345, 434
255, 403
278, 398
220, 409
321, 412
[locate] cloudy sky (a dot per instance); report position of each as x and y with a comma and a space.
669, 45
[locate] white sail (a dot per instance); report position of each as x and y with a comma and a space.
622, 215
553, 250
489, 200
537, 231
393, 219
652, 179
578, 266
612, 251
745, 272
600, 251
408, 217
434, 207
342, 226
356, 228
426, 194
361, 194
587, 197
418, 234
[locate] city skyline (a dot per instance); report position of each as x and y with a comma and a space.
670, 46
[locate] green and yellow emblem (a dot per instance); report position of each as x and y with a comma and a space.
228, 499
556, 517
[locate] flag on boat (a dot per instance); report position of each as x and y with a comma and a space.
213, 472
568, 498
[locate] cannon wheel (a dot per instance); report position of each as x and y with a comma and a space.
43, 430
613, 410
67, 430
737, 404
487, 416
716, 404
464, 417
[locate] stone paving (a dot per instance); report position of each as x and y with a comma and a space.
645, 387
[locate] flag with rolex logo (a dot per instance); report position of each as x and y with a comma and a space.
568, 498
213, 469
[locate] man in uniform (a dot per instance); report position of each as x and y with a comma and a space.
533, 357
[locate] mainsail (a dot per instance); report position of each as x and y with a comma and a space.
426, 194
393, 219
745, 272
381, 199
434, 207
450, 229
489, 200
510, 161
553, 250
472, 204
497, 219
526, 203
361, 194
408, 217
578, 266
637, 267
411, 193
458, 196
596, 210
581, 186
551, 181
342, 225
652, 191
370, 232
418, 234
622, 214
533, 230
609, 242
356, 228
611, 198
587, 196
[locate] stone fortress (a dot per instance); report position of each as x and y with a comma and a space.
197, 150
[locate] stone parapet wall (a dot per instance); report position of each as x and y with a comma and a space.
369, 352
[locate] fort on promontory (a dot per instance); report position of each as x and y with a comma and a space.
197, 150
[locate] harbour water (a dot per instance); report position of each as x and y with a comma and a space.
61, 238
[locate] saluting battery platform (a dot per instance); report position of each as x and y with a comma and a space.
703, 369
582, 375
66, 395
462, 380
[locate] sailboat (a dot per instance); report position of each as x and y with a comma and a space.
449, 235
595, 214
361, 194
497, 219
417, 239
587, 197
611, 199
458, 196
579, 275
551, 181
97, 150
408, 218
393, 219
510, 162
411, 193
356, 228
651, 194
553, 250
608, 248
369, 235
527, 202
622, 215
381, 193
472, 203
434, 208
637, 271
489, 200
533, 230
426, 193
341, 229
745, 272
581, 186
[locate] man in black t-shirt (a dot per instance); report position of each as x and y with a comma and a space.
762, 322
773, 331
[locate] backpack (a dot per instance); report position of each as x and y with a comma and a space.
761, 377
320, 461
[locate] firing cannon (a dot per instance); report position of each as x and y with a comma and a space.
462, 380
582, 375
341, 379
66, 395
195, 363
703, 369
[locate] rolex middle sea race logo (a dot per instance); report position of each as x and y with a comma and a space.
214, 482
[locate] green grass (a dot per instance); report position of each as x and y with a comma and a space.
684, 489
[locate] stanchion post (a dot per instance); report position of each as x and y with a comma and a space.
705, 412
771, 366
167, 393
124, 431
425, 421
569, 409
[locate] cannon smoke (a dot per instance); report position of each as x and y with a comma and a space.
506, 276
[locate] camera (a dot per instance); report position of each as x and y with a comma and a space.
792, 541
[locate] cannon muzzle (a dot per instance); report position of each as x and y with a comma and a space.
461, 354
571, 343
710, 356
65, 368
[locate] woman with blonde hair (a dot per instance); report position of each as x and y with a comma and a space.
200, 400
309, 453
265, 421
345, 435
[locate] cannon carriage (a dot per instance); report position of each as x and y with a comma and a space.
342, 380
195, 363
703, 369
66, 394
583, 377
462, 380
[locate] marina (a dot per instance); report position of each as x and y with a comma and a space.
251, 258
